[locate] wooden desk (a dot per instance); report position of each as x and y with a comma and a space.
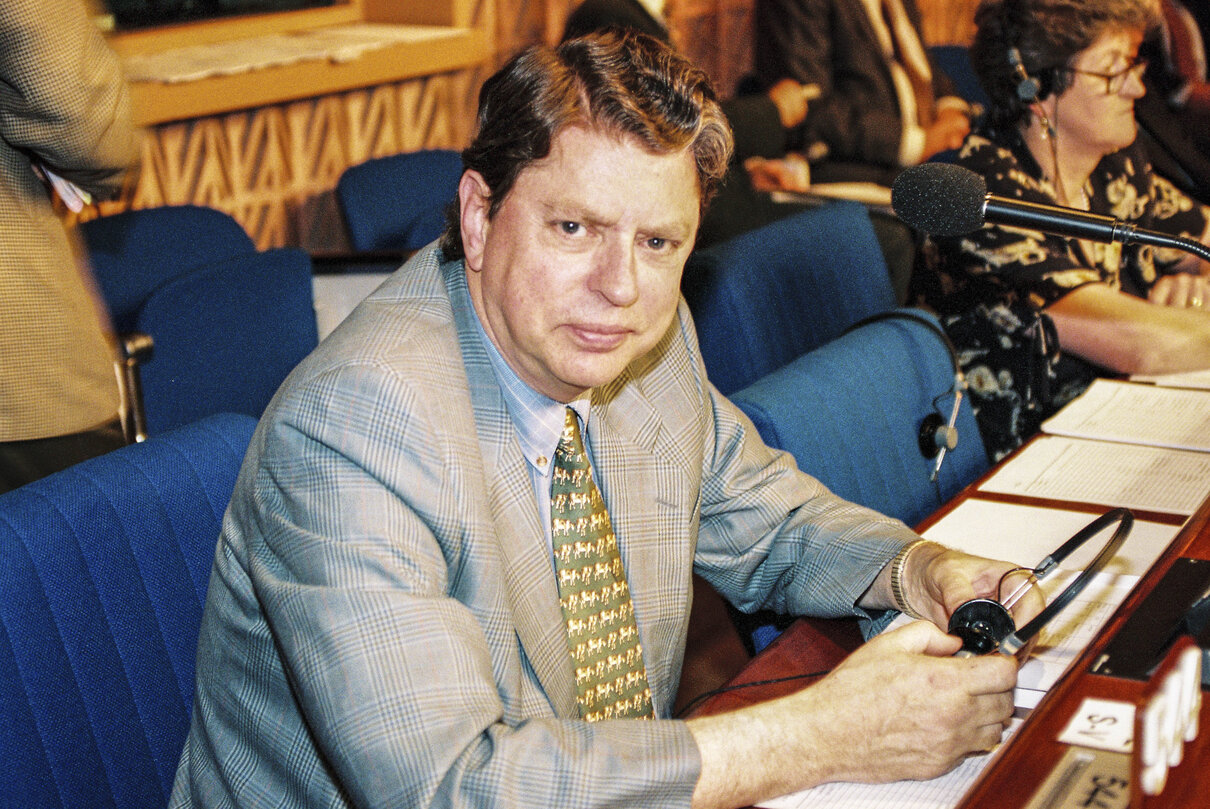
812, 645
1029, 756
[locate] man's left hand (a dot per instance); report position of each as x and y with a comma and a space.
937, 580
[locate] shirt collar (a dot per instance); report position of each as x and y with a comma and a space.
537, 418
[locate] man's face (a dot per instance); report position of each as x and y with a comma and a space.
579, 272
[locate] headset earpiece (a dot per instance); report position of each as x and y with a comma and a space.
1028, 90
936, 436
1028, 87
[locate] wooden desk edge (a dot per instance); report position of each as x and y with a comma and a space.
1023, 758
158, 103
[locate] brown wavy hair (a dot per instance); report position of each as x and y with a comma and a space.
624, 82
1048, 35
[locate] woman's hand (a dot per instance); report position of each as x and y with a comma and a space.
1182, 290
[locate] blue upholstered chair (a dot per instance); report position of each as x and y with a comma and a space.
763, 298
225, 321
955, 62
226, 335
850, 413
134, 252
398, 202
103, 570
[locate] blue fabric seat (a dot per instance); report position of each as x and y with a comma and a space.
226, 321
765, 297
226, 335
850, 413
104, 568
398, 202
134, 252
955, 62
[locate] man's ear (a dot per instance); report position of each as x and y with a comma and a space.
474, 202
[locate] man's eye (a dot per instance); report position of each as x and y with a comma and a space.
656, 243
570, 228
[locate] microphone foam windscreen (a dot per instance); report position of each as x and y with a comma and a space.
939, 198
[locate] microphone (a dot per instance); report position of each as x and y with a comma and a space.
942, 199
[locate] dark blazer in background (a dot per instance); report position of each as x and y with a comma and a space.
832, 43
596, 15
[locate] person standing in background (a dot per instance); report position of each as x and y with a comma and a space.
65, 121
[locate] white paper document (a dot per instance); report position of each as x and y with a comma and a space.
1062, 640
945, 791
1024, 535
1189, 379
1137, 414
1107, 473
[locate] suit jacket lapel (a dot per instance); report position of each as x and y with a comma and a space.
639, 483
528, 568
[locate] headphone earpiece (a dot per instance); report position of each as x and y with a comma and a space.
1027, 86
936, 436
1028, 90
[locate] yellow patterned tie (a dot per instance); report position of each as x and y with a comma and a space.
611, 680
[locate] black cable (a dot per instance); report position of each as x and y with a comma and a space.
700, 698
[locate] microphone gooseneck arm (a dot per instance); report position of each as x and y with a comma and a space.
1082, 225
943, 199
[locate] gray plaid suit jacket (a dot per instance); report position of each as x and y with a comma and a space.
382, 625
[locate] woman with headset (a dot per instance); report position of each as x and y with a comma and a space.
1063, 77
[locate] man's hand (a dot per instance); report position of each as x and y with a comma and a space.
789, 173
791, 99
900, 707
946, 132
937, 580
914, 711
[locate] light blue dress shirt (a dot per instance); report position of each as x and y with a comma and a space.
537, 418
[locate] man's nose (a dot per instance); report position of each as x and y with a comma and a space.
616, 273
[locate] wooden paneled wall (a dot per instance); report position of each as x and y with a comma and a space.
274, 167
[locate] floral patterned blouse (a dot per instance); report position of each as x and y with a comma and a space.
991, 287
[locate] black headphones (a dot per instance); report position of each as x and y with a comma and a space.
985, 625
1030, 89
937, 435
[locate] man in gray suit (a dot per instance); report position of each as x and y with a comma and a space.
385, 625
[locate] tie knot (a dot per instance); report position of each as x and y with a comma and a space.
570, 451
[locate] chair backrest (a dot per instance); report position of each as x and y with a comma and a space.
134, 252
955, 62
226, 335
850, 413
398, 202
767, 296
103, 570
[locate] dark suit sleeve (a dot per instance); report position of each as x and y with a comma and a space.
829, 44
756, 125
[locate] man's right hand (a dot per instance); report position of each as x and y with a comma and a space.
915, 711
900, 707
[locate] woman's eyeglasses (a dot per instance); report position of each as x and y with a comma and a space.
1114, 82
